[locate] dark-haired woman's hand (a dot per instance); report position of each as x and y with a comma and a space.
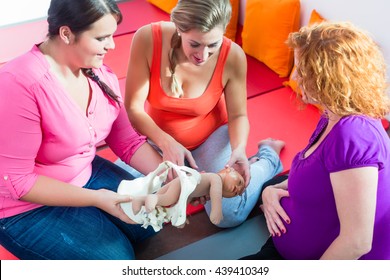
110, 201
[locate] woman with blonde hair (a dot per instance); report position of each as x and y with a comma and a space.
193, 81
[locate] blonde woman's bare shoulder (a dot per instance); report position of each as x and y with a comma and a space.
236, 54
236, 60
144, 34
167, 26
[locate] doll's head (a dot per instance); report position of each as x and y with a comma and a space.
232, 182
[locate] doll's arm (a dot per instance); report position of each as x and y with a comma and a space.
216, 199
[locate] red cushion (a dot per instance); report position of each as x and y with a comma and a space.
260, 78
118, 58
277, 115
5, 255
194, 209
385, 124
137, 13
20, 38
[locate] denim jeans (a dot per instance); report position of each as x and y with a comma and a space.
73, 233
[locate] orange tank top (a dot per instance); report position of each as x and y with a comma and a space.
189, 120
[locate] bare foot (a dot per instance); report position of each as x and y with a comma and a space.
276, 145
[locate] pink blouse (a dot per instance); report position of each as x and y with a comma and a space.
44, 132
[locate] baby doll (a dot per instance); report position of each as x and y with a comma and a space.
226, 183
151, 198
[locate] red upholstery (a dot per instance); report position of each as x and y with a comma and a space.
118, 58
260, 78
386, 124
137, 13
18, 39
276, 115
5, 255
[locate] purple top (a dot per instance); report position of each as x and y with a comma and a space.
355, 141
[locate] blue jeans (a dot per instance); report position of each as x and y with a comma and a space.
75, 233
213, 155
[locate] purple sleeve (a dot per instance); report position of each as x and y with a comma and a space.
353, 142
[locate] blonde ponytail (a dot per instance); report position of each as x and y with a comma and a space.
176, 88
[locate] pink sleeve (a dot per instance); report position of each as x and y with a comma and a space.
20, 136
123, 139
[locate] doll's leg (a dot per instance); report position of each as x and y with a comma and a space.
137, 203
166, 196
276, 145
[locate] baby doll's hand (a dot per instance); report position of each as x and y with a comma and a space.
216, 217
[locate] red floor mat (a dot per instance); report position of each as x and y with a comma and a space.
276, 114
137, 13
118, 58
5, 255
20, 38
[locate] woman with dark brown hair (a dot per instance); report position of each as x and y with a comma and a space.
58, 101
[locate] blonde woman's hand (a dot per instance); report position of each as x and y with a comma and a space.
239, 161
177, 154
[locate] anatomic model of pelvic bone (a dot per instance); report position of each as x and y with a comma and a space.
151, 183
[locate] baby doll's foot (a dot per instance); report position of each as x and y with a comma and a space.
150, 202
276, 145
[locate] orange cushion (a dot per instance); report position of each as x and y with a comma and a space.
315, 17
165, 5
231, 28
266, 28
